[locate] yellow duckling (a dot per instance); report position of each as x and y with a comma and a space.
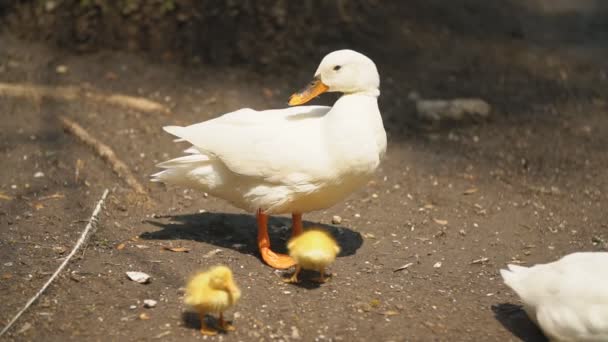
212, 291
313, 250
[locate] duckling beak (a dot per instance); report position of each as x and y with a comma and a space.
312, 90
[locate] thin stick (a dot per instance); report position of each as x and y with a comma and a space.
105, 152
71, 93
81, 240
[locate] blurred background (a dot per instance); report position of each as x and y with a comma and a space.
432, 48
267, 32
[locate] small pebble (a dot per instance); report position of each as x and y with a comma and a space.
139, 277
38, 174
295, 333
437, 264
61, 69
150, 303
336, 219
50, 5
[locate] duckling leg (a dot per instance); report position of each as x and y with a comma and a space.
296, 227
321, 278
205, 330
225, 325
275, 260
294, 276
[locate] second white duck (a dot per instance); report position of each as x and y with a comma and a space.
568, 298
293, 160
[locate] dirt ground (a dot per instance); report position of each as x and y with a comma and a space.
457, 200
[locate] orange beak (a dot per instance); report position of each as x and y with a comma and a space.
314, 89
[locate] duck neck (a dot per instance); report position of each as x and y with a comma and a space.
358, 99
371, 92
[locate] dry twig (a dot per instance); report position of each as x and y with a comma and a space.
105, 152
79, 243
70, 93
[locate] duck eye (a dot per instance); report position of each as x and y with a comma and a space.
337, 67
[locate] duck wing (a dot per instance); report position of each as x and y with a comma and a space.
277, 145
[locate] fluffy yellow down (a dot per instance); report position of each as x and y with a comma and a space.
212, 291
314, 249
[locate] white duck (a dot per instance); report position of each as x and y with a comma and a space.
291, 160
567, 298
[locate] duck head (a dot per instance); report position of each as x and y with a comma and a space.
344, 71
220, 278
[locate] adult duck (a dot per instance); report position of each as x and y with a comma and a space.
293, 160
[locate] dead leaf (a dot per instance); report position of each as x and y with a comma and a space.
120, 246
441, 222
212, 253
177, 249
390, 313
162, 334
38, 206
79, 166
401, 268
369, 235
470, 191
59, 249
7, 276
55, 195
374, 303
5, 197
144, 316
480, 261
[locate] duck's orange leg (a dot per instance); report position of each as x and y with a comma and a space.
275, 260
296, 227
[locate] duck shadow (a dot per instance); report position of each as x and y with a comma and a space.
515, 319
306, 279
239, 232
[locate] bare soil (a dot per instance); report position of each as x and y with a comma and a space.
457, 200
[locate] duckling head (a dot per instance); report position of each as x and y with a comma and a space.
220, 278
344, 71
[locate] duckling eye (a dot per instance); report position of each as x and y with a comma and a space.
337, 67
